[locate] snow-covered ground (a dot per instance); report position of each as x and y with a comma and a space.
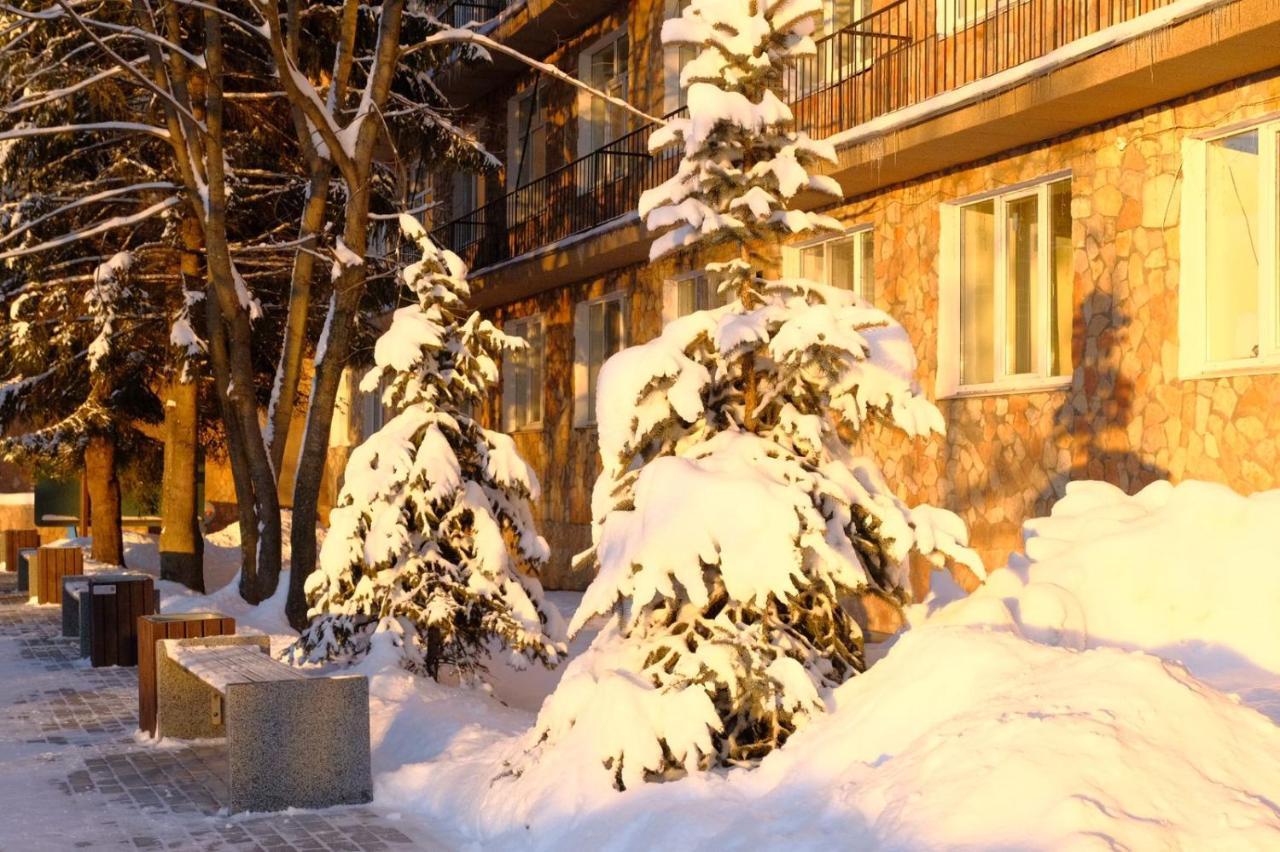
1117, 686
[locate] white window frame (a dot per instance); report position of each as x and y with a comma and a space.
950, 288
465, 183
515, 138
1193, 285
792, 267
671, 293
947, 24
586, 102
520, 328
584, 414
673, 94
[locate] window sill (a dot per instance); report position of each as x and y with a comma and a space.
1252, 367
1036, 385
521, 430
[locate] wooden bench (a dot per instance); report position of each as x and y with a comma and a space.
11, 541
293, 741
52, 564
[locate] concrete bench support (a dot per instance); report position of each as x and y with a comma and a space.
293, 741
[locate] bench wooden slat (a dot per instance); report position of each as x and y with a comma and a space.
221, 666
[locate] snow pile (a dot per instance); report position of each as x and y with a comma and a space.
1011, 744
998, 721
1190, 573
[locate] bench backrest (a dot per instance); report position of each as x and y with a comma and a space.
221, 665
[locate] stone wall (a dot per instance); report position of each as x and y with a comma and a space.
1126, 418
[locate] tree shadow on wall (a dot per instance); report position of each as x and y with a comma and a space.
1093, 423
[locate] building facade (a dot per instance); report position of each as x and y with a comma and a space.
1072, 205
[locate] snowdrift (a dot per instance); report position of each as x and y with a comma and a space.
1103, 691
1189, 573
1051, 710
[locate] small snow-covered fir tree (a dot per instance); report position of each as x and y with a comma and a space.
433, 540
732, 519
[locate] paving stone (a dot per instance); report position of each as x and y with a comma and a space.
133, 794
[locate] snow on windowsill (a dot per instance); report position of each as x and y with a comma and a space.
1068, 54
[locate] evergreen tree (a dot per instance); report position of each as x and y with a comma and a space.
733, 519
432, 540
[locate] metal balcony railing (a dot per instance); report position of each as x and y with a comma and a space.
897, 56
575, 198
461, 13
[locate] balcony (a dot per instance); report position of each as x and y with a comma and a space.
534, 27
911, 63
467, 13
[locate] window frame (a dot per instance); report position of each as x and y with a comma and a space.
519, 327
515, 136
586, 102
584, 415
948, 26
792, 266
671, 293
1193, 286
950, 382
674, 95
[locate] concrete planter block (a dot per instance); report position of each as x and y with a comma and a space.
183, 700
293, 741
299, 743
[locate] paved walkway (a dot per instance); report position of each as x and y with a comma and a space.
73, 775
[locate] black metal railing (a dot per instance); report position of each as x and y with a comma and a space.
587, 192
900, 55
912, 50
462, 13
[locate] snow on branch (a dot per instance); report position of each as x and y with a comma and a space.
99, 228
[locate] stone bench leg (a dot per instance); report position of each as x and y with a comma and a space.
299, 743
183, 701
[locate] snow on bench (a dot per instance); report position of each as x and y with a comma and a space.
293, 741
221, 666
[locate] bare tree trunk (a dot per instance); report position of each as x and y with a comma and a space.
343, 312
239, 395
289, 371
104, 500
181, 542
235, 452
315, 442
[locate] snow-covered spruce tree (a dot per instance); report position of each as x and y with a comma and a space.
733, 519
432, 540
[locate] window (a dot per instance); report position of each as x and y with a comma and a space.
673, 61
695, 291
527, 137
1007, 288
604, 67
466, 194
846, 262
522, 376
599, 332
957, 15
840, 54
374, 414
1230, 291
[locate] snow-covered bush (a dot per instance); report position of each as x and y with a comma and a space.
433, 538
732, 520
